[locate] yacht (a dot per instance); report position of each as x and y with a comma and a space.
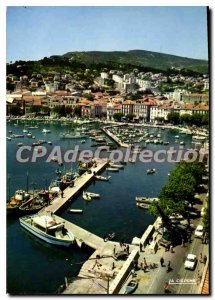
48, 228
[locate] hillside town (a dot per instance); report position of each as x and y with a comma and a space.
136, 97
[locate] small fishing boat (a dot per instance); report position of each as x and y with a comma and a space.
46, 131
166, 143
102, 178
151, 171
14, 203
38, 200
49, 142
142, 205
48, 228
182, 143
20, 144
83, 141
92, 195
123, 162
33, 127
116, 166
112, 169
86, 197
29, 134
177, 136
8, 138
131, 286
76, 211
25, 131
131, 160
72, 136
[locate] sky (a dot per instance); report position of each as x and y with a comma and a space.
34, 32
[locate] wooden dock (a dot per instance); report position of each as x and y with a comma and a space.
70, 192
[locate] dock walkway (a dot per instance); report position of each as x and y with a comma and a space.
114, 138
70, 192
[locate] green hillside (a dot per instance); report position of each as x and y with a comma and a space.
143, 58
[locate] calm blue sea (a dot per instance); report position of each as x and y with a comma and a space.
35, 267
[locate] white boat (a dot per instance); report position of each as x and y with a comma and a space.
142, 205
131, 160
48, 228
20, 144
103, 178
177, 136
116, 166
29, 134
72, 136
8, 138
49, 142
182, 143
92, 195
76, 211
151, 171
25, 131
131, 286
46, 131
83, 141
112, 169
86, 197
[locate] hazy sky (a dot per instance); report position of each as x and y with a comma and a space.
34, 32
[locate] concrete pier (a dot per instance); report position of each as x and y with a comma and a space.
70, 192
114, 138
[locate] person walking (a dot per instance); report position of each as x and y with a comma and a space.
145, 263
171, 248
168, 267
61, 194
205, 259
200, 257
161, 261
114, 250
166, 287
141, 247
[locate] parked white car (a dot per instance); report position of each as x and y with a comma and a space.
190, 262
199, 231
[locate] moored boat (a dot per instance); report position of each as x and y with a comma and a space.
76, 211
86, 197
14, 203
46, 131
48, 228
102, 178
92, 195
131, 286
110, 169
151, 171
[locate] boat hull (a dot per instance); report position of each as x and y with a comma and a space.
46, 238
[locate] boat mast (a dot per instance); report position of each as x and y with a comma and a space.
27, 175
8, 180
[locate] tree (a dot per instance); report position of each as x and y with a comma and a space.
77, 111
15, 110
118, 116
173, 117
206, 220
186, 119
179, 190
35, 108
130, 117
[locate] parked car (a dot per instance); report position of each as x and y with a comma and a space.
199, 231
190, 262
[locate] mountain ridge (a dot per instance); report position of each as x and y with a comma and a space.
143, 58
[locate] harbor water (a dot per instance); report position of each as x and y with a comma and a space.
35, 267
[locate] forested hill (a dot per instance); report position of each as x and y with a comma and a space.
141, 58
